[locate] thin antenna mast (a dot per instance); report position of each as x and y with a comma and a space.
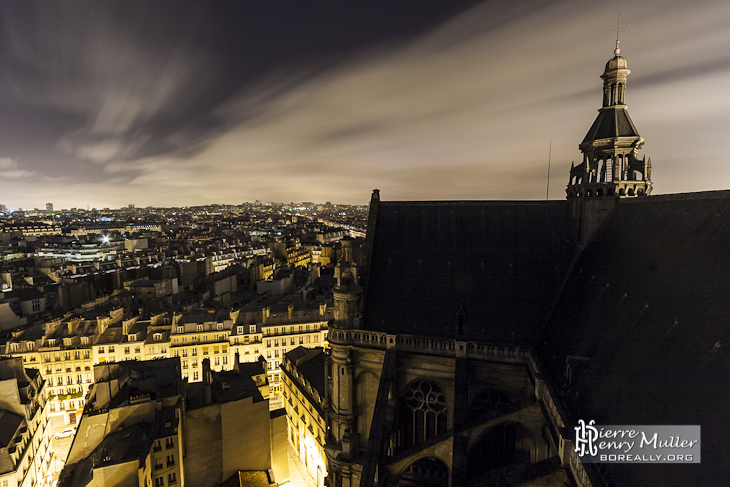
550, 154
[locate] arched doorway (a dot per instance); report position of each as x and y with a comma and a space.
426, 472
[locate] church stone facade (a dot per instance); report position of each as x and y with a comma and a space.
469, 337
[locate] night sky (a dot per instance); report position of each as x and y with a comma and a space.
104, 104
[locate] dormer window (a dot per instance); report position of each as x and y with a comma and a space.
132, 337
219, 326
181, 329
200, 327
67, 342
84, 340
157, 337
52, 342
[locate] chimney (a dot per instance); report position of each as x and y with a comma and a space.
207, 379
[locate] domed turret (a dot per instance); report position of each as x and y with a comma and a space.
617, 62
610, 164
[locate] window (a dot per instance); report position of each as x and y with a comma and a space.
301, 340
137, 350
291, 342
219, 326
205, 350
268, 354
101, 349
86, 354
170, 460
181, 329
126, 350
239, 330
36, 303
423, 412
185, 352
185, 364
276, 342
195, 352
171, 478
268, 343
169, 443
111, 349
195, 375
159, 481
199, 327
225, 360
217, 361
252, 329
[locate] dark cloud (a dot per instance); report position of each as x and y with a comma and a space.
188, 102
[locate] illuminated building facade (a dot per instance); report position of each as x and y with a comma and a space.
25, 449
303, 376
202, 334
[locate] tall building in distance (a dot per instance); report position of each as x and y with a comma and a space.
49, 206
470, 360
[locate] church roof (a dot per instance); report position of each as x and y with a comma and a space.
497, 264
647, 304
611, 122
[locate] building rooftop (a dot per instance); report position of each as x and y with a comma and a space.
481, 270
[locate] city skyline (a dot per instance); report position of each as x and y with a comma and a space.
224, 105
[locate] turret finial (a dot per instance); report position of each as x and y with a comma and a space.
618, 29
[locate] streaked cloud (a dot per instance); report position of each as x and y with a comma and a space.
466, 110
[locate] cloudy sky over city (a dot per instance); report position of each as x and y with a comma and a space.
104, 104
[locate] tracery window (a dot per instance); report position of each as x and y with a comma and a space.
423, 413
490, 400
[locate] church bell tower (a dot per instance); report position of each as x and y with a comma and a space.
610, 166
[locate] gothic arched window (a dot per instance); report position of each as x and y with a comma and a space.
426, 472
422, 413
490, 400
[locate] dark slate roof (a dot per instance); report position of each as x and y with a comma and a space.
648, 303
501, 262
9, 424
311, 366
611, 122
131, 444
248, 478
